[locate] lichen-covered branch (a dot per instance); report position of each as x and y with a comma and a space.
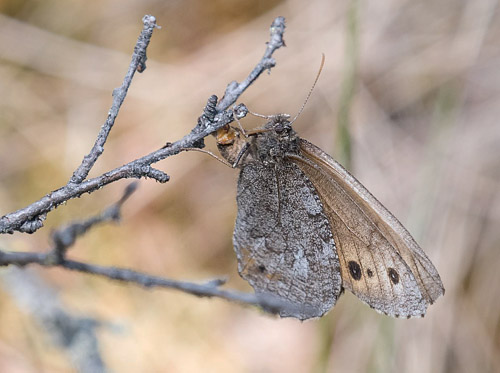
235, 89
138, 63
64, 238
29, 219
215, 115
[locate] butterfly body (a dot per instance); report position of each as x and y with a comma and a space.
306, 229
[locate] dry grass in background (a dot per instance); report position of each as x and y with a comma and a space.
425, 139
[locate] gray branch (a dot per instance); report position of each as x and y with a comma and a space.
30, 218
235, 89
64, 238
77, 335
138, 63
209, 288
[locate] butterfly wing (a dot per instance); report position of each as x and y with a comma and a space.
278, 209
380, 262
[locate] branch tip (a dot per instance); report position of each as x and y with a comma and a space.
138, 63
234, 89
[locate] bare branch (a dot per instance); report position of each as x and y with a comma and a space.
235, 89
77, 335
64, 237
138, 63
30, 218
211, 288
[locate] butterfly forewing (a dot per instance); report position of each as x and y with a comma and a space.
283, 239
380, 262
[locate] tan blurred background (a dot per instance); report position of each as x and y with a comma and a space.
425, 138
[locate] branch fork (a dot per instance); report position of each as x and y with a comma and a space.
215, 115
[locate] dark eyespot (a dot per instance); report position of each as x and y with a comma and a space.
355, 270
369, 272
261, 268
393, 275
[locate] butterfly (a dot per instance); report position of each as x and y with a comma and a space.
306, 229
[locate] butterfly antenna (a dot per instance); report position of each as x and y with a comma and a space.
312, 88
260, 115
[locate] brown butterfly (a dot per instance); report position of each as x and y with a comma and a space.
306, 229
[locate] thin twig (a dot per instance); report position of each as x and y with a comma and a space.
235, 89
30, 218
64, 237
138, 63
209, 288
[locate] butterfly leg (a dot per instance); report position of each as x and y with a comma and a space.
221, 160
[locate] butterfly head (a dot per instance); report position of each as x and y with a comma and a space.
280, 124
276, 139
268, 144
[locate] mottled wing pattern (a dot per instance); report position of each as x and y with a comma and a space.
283, 239
380, 262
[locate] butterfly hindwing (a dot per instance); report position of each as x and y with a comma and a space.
283, 239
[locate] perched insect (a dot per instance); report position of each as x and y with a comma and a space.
306, 228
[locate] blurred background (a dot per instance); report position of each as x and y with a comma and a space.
409, 99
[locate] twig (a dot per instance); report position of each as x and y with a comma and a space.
207, 289
64, 237
30, 218
138, 63
235, 89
